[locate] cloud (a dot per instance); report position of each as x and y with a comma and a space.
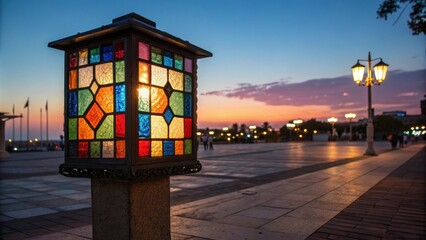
401, 89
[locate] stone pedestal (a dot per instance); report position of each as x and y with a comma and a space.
131, 210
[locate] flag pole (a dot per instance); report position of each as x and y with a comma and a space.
41, 127
27, 105
13, 123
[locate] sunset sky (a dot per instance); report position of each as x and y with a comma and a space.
272, 60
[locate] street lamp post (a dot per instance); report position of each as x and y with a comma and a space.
297, 122
350, 116
290, 126
380, 70
332, 120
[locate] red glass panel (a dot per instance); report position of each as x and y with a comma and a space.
72, 61
94, 115
120, 125
83, 149
144, 148
119, 50
188, 128
120, 149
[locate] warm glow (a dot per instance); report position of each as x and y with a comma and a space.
198, 133
380, 70
298, 121
225, 129
290, 125
211, 132
358, 72
143, 92
252, 127
350, 116
332, 120
315, 131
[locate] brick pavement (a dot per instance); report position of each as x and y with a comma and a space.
393, 209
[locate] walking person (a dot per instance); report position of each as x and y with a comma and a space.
210, 140
204, 139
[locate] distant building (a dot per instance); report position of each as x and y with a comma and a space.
398, 113
423, 106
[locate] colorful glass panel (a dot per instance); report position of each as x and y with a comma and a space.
106, 130
120, 149
188, 65
176, 80
83, 149
72, 60
156, 149
144, 125
94, 87
168, 59
168, 148
188, 105
178, 147
176, 103
158, 76
105, 99
72, 104
72, 79
108, 149
188, 83
119, 50
120, 125
84, 130
143, 51
82, 57
176, 128
144, 148
188, 128
120, 98
95, 115
168, 115
143, 72
143, 98
72, 128
159, 128
73, 149
156, 56
120, 71
95, 149
188, 146
85, 76
158, 100
107, 54
85, 98
95, 55
103, 73
178, 62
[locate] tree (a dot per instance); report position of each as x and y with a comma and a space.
417, 22
387, 124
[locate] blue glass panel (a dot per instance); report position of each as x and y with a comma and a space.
120, 98
72, 104
144, 125
168, 115
107, 53
95, 55
168, 59
169, 148
188, 105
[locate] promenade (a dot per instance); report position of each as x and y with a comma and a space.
305, 190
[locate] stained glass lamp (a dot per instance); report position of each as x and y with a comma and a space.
130, 101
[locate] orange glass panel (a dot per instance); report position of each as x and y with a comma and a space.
108, 149
85, 76
94, 115
72, 79
103, 73
120, 149
143, 72
84, 130
158, 76
156, 148
158, 100
176, 128
105, 99
159, 128
178, 147
176, 80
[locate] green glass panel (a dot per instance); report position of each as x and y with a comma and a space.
176, 103
178, 62
106, 130
85, 98
119, 71
188, 83
156, 55
95, 149
188, 146
72, 128
143, 99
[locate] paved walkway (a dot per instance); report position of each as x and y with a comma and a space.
291, 206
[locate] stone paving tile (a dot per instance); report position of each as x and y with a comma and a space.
31, 212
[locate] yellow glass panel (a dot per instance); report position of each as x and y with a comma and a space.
143, 98
85, 76
159, 127
105, 99
159, 100
143, 72
178, 147
120, 149
176, 80
108, 149
94, 87
156, 148
82, 57
84, 130
72, 79
176, 128
158, 76
104, 73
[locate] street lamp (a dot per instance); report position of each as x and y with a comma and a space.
380, 70
332, 120
350, 116
297, 122
290, 126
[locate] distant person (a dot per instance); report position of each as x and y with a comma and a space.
62, 145
204, 139
210, 140
401, 141
393, 138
